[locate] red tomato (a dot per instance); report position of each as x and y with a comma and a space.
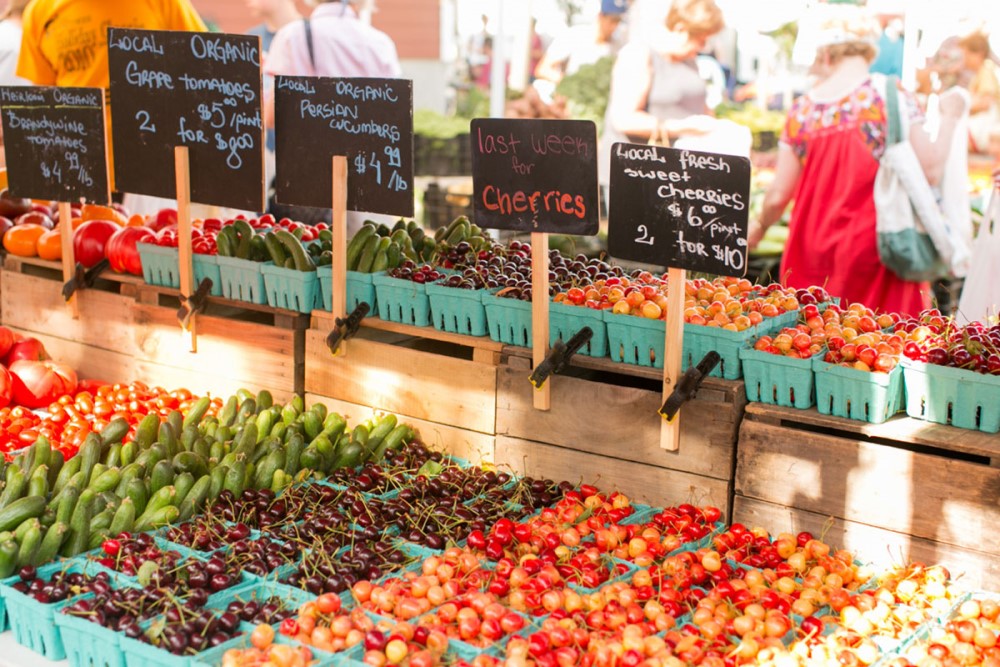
122, 252
6, 387
90, 240
6, 341
38, 383
27, 347
165, 217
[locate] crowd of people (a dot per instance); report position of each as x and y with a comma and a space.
830, 149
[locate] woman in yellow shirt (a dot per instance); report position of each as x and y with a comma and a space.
65, 42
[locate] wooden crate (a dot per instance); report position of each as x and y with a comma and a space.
604, 431
128, 331
415, 372
894, 492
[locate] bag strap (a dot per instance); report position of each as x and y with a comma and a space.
892, 110
309, 43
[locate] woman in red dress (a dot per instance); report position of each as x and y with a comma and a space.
833, 138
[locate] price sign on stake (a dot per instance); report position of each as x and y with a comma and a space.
55, 141
537, 176
198, 90
686, 210
54, 138
368, 121
345, 143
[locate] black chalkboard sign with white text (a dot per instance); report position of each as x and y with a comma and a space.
200, 90
679, 208
368, 121
535, 175
54, 143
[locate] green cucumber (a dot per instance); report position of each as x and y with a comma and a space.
162, 475
364, 264
138, 494
19, 510
161, 517
108, 480
275, 249
218, 479
29, 545
8, 558
228, 415
123, 519
16, 485
115, 430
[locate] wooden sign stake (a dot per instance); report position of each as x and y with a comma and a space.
68, 259
182, 172
670, 431
540, 312
339, 231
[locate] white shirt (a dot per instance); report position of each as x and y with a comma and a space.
577, 46
343, 45
10, 47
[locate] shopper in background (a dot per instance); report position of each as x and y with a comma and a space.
334, 42
984, 89
656, 90
10, 43
65, 43
274, 14
827, 162
583, 44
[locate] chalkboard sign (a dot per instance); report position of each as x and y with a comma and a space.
55, 144
369, 121
200, 90
679, 208
535, 175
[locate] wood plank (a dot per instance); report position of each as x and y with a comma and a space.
883, 548
900, 428
643, 483
712, 389
17, 264
111, 366
611, 420
433, 387
246, 351
36, 304
471, 445
324, 320
933, 497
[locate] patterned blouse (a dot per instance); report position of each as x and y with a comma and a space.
863, 110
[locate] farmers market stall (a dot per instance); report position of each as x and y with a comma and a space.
420, 446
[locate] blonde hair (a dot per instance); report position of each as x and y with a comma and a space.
837, 52
976, 42
847, 31
700, 17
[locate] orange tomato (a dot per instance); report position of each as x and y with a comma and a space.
22, 240
98, 212
49, 245
137, 220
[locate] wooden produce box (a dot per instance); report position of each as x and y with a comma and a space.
905, 490
444, 384
603, 428
129, 331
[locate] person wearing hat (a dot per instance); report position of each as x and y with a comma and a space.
583, 44
828, 158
